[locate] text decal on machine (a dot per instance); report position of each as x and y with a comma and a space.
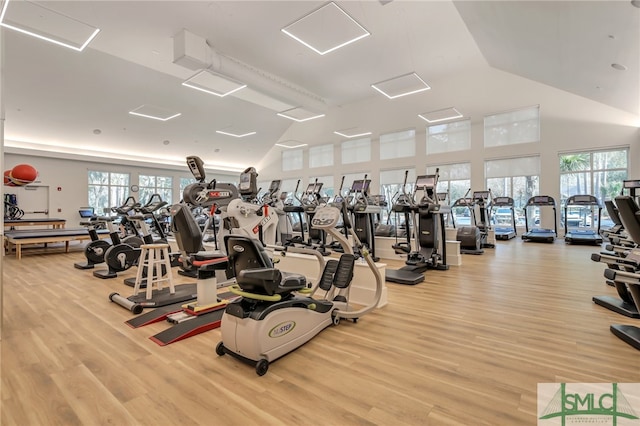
282, 329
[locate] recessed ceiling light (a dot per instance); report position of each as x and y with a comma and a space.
45, 24
166, 142
619, 67
235, 135
635, 3
349, 133
290, 144
97, 131
154, 112
440, 115
403, 85
213, 83
299, 114
326, 29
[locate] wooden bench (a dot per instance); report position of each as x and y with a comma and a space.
16, 239
54, 223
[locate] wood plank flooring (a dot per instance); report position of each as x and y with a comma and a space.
466, 347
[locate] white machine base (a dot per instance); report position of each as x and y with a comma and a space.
362, 290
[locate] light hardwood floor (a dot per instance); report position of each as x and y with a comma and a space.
467, 346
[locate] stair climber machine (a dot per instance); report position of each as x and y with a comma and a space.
582, 236
243, 216
123, 253
270, 320
429, 229
340, 203
539, 234
504, 216
363, 211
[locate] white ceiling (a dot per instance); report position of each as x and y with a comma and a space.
56, 97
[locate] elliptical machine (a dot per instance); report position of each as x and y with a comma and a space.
363, 213
431, 250
474, 238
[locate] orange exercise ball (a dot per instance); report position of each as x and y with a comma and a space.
23, 174
7, 178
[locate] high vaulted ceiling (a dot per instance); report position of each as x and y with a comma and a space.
78, 102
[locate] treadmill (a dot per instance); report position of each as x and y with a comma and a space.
540, 235
582, 236
627, 283
501, 231
624, 303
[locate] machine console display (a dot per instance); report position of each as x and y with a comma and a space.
360, 185
502, 200
314, 188
635, 183
481, 195
275, 186
426, 182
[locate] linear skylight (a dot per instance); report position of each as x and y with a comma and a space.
440, 115
299, 114
291, 144
213, 83
46, 24
236, 135
326, 29
349, 133
154, 112
404, 85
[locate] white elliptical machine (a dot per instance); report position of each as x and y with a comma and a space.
270, 321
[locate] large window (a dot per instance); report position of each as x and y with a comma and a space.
356, 151
455, 180
106, 190
292, 159
321, 156
518, 178
512, 127
598, 173
327, 185
448, 137
398, 144
161, 185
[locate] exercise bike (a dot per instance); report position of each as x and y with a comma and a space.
124, 253
269, 320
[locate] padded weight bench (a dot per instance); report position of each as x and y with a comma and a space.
43, 236
54, 223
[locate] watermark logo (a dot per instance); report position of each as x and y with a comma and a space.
616, 404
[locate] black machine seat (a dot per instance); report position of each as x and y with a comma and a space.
270, 281
185, 229
254, 271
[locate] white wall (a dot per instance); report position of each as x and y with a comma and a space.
70, 175
568, 123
